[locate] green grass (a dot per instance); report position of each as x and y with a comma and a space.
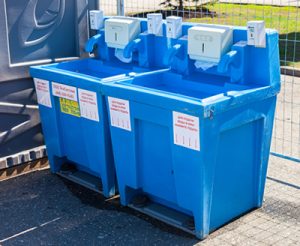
285, 19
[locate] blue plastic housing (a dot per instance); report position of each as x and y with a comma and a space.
84, 143
234, 102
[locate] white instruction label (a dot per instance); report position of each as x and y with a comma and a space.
186, 130
119, 113
42, 92
64, 91
88, 104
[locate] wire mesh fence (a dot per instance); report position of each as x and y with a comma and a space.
283, 15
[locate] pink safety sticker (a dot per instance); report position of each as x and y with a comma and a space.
119, 113
186, 130
43, 92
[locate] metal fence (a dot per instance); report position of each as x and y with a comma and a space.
283, 15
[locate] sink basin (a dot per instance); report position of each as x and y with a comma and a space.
92, 68
198, 88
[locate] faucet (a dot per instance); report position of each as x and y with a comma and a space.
135, 45
89, 46
175, 50
230, 58
234, 62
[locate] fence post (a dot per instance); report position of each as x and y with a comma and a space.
98, 4
120, 7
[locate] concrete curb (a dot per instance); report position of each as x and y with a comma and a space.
290, 71
24, 168
22, 157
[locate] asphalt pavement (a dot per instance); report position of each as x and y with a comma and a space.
41, 208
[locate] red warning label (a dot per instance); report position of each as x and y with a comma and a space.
64, 91
186, 130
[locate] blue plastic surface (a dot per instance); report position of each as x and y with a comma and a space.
78, 140
224, 176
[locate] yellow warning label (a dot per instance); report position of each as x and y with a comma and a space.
69, 107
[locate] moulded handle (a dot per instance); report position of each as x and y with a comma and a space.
171, 53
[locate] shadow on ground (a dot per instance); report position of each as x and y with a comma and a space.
41, 208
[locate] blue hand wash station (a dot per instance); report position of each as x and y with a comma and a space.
180, 113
